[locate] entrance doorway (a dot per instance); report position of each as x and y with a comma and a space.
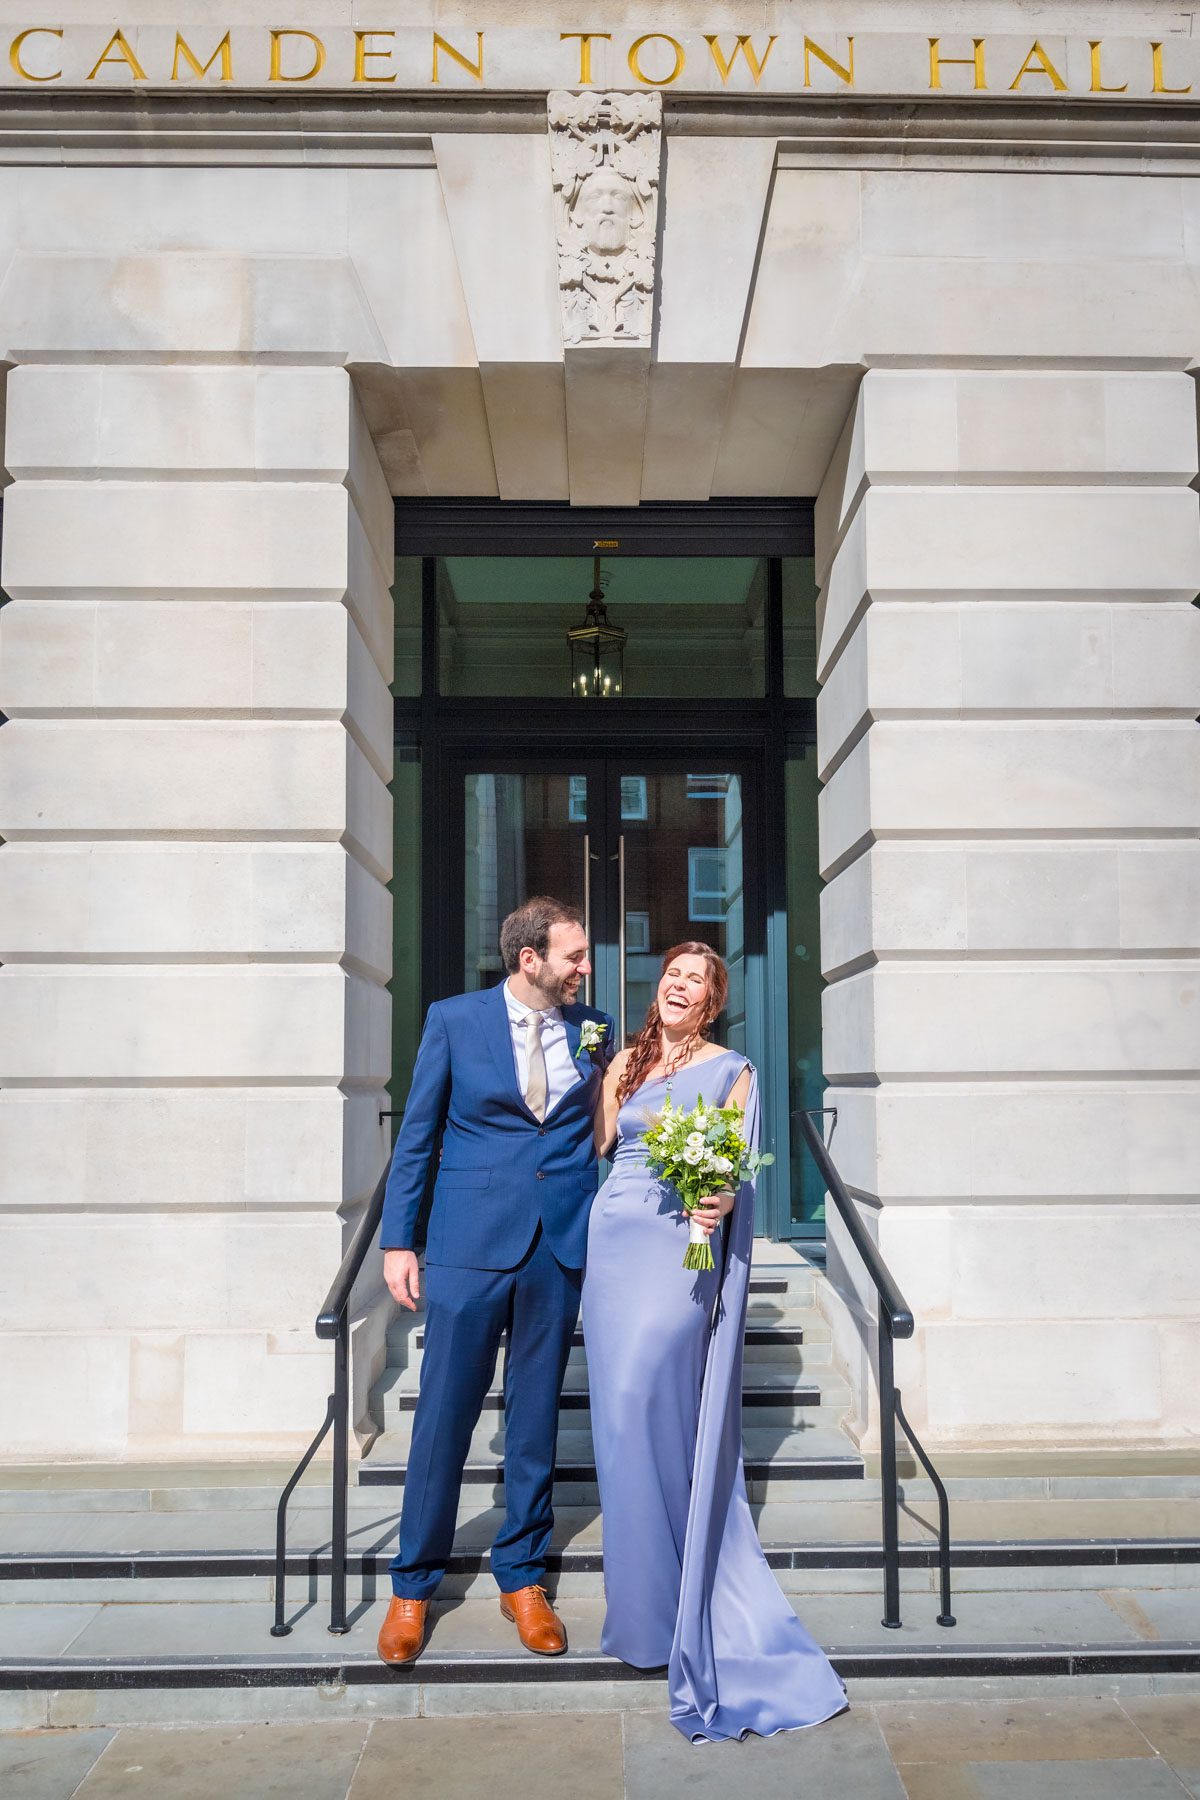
685, 809
652, 852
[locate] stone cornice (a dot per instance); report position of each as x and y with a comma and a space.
331, 131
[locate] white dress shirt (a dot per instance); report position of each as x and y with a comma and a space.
562, 1071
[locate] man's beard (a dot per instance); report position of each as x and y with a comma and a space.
552, 988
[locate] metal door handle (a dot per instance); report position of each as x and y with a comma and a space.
587, 912
621, 1023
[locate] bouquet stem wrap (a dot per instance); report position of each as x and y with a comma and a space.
699, 1250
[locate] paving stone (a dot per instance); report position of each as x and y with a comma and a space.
846, 1755
1148, 1779
47, 1765
1173, 1617
1010, 1731
42, 1630
1172, 1724
457, 1699
250, 1762
505, 1757
1038, 1617
226, 1706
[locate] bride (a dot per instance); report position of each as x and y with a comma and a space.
685, 1579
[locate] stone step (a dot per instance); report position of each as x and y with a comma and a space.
806, 1353
762, 1331
576, 1570
776, 1404
163, 1661
815, 1452
762, 1443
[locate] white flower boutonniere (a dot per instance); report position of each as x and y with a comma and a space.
592, 1034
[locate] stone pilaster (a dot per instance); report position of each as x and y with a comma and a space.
1011, 670
194, 926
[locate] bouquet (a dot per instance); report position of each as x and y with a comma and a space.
700, 1153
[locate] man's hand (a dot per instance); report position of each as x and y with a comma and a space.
402, 1276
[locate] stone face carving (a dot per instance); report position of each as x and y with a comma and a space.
605, 153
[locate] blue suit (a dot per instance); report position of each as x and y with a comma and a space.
505, 1251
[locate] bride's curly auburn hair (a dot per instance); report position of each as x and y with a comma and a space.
643, 1052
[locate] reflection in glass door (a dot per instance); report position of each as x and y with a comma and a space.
679, 878
523, 834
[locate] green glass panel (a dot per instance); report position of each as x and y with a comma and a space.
405, 885
799, 627
406, 595
695, 624
806, 1080
522, 835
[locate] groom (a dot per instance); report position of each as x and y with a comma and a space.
510, 1077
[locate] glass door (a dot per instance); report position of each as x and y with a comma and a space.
652, 852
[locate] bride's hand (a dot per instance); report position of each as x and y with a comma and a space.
709, 1215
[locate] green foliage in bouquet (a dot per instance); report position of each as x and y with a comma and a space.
700, 1152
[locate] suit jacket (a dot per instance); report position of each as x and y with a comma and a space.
501, 1171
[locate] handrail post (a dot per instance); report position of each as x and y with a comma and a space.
341, 1475
889, 1486
280, 1628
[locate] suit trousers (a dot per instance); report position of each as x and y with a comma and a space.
467, 1313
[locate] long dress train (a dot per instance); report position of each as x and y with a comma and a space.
685, 1578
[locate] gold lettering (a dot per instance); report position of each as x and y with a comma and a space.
14, 53
1160, 87
318, 62
119, 43
743, 47
1096, 45
586, 40
844, 74
222, 50
363, 50
635, 67
473, 68
938, 62
1043, 67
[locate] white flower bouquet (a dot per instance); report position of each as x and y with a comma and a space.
700, 1152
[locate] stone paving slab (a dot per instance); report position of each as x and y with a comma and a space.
374, 1519
43, 1630
48, 1765
846, 1756
1171, 1723
1146, 1780
577, 1756
130, 1626
248, 1762
1083, 1747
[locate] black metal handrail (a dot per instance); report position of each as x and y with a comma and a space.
333, 1322
895, 1321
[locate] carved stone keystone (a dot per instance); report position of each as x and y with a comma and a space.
606, 153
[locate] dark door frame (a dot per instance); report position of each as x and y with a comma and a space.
759, 732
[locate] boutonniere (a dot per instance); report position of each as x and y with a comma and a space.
592, 1034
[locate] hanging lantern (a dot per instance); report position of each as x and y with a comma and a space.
597, 649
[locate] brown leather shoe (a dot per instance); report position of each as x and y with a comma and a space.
538, 1625
403, 1631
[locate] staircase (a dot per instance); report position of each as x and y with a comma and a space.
130, 1595
793, 1401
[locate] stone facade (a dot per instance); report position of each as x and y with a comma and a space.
232, 334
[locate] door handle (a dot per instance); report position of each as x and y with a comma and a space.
622, 1022
587, 912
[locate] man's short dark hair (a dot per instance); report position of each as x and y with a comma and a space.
529, 928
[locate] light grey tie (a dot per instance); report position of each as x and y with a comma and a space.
535, 1066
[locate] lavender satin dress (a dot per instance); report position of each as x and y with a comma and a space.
685, 1578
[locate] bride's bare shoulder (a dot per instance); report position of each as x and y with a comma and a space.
618, 1062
